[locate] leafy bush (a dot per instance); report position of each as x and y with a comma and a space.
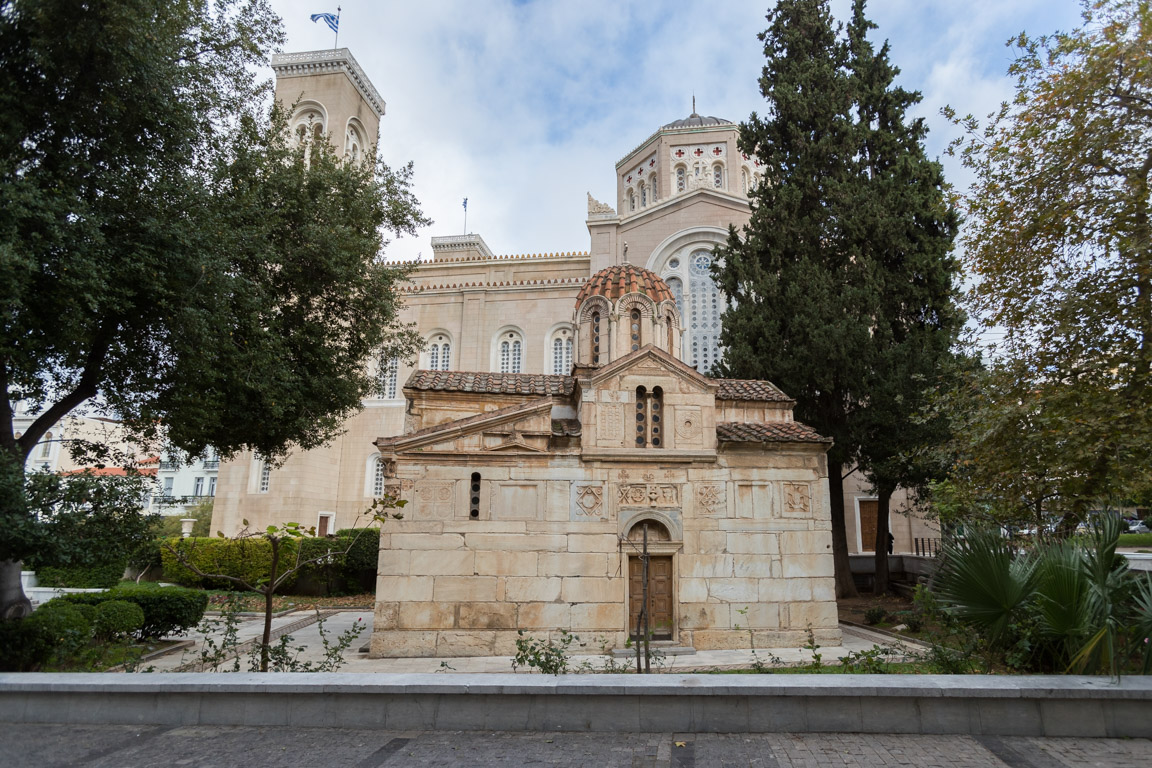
167, 610
249, 559
25, 644
117, 618
64, 627
91, 576
350, 573
548, 657
875, 615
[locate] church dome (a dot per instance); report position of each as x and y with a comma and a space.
697, 121
614, 282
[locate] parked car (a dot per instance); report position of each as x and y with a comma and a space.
1138, 527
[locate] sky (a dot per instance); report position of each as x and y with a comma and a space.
525, 106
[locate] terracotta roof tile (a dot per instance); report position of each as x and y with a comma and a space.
616, 281
491, 383
455, 423
768, 432
749, 389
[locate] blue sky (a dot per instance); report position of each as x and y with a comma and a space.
523, 106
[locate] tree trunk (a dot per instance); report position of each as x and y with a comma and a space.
880, 585
845, 587
269, 591
14, 604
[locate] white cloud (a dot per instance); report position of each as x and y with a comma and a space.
522, 107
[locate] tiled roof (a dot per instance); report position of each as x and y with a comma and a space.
768, 432
491, 383
749, 389
616, 281
697, 121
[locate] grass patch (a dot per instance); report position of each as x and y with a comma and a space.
1135, 540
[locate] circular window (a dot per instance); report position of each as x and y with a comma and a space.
700, 263
673, 263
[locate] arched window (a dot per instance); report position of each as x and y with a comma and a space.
634, 318
595, 338
631, 200
704, 310
718, 176
440, 353
378, 478
641, 417
562, 352
655, 189
671, 334
744, 180
681, 178
656, 415
353, 144
643, 195
677, 287
511, 352
387, 379
46, 449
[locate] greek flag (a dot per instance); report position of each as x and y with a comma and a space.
331, 19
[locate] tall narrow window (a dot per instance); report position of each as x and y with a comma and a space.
643, 195
671, 334
265, 477
439, 353
391, 373
656, 414
562, 353
198, 487
474, 496
681, 179
434, 357
718, 176
511, 353
655, 189
211, 486
632, 202
595, 338
744, 180
378, 478
704, 310
46, 450
168, 483
635, 317
641, 417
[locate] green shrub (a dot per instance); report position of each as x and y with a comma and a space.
350, 573
875, 615
25, 644
167, 610
64, 627
94, 576
117, 618
87, 611
248, 559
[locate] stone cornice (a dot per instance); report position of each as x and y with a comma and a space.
327, 62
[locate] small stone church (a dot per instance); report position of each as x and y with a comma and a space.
560, 416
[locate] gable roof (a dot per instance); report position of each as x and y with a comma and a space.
491, 383
768, 432
674, 365
750, 389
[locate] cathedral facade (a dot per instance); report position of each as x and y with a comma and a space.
558, 424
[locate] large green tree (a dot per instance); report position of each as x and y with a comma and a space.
840, 282
167, 254
1060, 246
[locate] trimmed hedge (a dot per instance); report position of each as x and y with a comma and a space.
167, 610
350, 573
54, 629
249, 559
99, 576
117, 618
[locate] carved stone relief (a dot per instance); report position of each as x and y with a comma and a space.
648, 495
797, 500
689, 431
587, 503
612, 424
710, 499
434, 500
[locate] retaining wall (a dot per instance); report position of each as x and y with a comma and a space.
1018, 706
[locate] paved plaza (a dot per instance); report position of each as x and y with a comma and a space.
119, 746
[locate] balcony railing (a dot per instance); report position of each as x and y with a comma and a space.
212, 464
169, 465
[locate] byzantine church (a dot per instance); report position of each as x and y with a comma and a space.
559, 423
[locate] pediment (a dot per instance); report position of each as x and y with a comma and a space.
517, 425
515, 446
652, 361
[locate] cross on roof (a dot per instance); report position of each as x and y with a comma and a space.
679, 153
716, 151
698, 152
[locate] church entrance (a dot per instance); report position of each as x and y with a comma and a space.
660, 603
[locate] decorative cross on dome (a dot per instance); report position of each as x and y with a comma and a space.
679, 153
628, 179
716, 151
698, 152
639, 171
652, 162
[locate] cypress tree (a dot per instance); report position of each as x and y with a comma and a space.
841, 282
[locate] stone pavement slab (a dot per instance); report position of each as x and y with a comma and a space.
49, 746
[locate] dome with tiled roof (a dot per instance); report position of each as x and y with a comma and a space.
614, 282
697, 121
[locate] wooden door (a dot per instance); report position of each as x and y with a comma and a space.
868, 513
660, 602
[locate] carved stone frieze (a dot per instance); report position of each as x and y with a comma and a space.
587, 503
797, 500
648, 495
710, 499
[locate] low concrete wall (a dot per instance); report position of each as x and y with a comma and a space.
1020, 706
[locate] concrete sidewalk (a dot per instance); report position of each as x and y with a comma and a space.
854, 639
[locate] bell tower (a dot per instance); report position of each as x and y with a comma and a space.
333, 96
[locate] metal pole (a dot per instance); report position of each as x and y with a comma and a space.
647, 632
337, 40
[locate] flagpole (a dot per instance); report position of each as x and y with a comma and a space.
335, 43
465, 215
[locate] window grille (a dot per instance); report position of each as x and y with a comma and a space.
378, 478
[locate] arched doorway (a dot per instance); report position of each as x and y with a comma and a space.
660, 572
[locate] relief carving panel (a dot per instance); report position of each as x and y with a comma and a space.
711, 499
689, 431
797, 500
434, 500
611, 425
648, 495
586, 503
